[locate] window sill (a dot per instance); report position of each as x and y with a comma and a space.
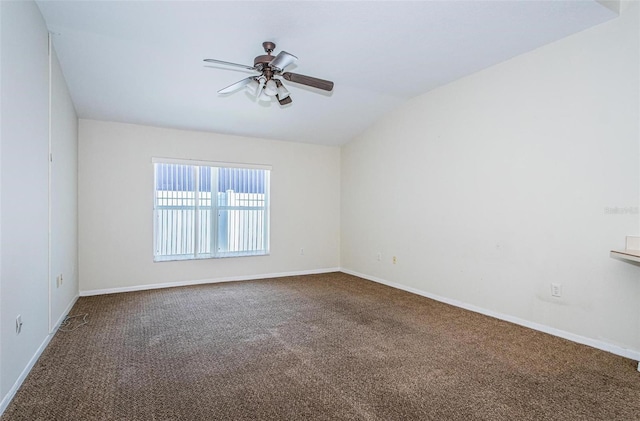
160, 259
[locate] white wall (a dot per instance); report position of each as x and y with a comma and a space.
491, 188
64, 196
24, 191
115, 240
1, 32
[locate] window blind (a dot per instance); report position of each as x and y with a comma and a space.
210, 211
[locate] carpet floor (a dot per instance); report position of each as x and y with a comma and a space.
317, 347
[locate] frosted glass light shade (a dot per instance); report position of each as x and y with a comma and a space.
264, 97
270, 88
253, 86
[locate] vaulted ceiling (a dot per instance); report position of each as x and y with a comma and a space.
142, 61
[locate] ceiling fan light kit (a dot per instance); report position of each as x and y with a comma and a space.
268, 84
252, 86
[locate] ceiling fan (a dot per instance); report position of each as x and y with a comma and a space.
268, 84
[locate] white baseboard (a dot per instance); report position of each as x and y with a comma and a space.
23, 375
604, 346
64, 314
205, 281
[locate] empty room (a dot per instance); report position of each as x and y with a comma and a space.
320, 210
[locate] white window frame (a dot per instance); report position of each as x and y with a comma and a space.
215, 208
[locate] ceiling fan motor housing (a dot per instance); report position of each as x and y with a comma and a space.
263, 60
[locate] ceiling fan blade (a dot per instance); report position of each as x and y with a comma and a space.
325, 85
282, 60
238, 85
285, 101
226, 63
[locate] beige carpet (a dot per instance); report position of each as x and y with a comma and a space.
321, 347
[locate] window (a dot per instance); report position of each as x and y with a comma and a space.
210, 210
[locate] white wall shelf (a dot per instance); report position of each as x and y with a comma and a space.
631, 250
633, 255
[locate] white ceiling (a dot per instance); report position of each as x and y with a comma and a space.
141, 61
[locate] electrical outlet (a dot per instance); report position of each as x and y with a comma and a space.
395, 260
302, 252
18, 324
61, 279
556, 290
379, 256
